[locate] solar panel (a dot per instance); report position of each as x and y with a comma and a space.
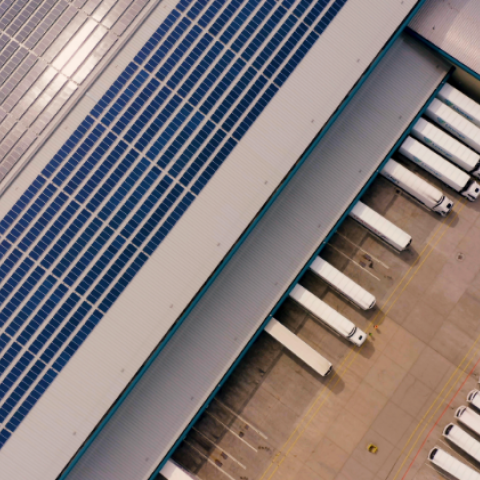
12, 13
4, 6
116, 12
8, 51
103, 9
106, 200
50, 19
53, 29
54, 106
34, 20
91, 5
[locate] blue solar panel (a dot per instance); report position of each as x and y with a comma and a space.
225, 17
155, 39
87, 224
169, 132
112, 181
262, 35
159, 121
167, 45
40, 317
210, 12
122, 191
63, 240
26, 311
117, 86
194, 146
178, 53
196, 8
31, 213
101, 172
79, 267
68, 147
253, 24
24, 200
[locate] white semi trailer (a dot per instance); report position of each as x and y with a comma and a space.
342, 284
446, 145
453, 122
433, 163
417, 187
328, 315
381, 227
455, 469
462, 440
173, 471
468, 418
461, 103
298, 347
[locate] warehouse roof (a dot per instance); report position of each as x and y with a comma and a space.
188, 369
451, 27
128, 192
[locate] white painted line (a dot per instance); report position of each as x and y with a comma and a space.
256, 430
229, 455
353, 261
209, 460
231, 431
363, 250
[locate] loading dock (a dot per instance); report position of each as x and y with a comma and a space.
399, 380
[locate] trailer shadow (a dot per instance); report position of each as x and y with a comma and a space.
368, 349
269, 367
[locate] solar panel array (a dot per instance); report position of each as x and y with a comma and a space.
106, 200
47, 49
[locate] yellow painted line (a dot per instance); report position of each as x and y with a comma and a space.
352, 352
456, 373
304, 423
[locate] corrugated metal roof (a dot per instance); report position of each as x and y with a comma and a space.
453, 27
178, 382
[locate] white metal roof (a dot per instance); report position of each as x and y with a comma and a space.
452, 27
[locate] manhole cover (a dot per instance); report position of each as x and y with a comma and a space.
460, 257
